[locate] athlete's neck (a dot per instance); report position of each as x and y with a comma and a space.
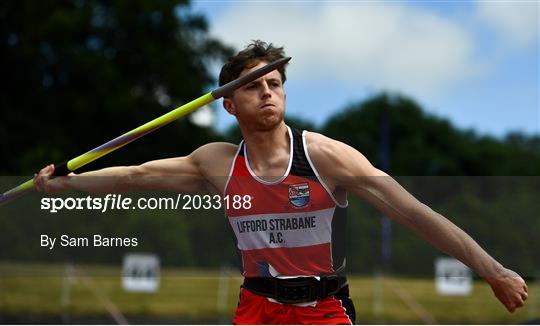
268, 151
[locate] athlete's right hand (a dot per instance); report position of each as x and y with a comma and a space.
509, 288
44, 183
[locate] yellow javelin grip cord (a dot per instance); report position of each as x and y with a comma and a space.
90, 156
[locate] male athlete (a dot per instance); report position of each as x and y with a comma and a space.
291, 238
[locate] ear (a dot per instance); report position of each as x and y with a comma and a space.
229, 106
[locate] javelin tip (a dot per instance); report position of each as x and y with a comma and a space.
239, 82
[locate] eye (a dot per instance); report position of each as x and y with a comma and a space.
275, 84
251, 86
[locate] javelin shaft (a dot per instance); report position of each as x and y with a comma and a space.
134, 134
112, 145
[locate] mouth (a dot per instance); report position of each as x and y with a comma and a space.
268, 106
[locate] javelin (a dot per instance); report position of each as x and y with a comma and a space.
90, 156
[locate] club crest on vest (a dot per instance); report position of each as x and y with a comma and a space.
299, 194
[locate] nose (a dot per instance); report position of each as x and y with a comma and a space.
265, 89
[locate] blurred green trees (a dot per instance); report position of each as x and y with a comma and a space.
79, 73
421, 144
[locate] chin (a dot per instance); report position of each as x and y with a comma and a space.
263, 122
270, 122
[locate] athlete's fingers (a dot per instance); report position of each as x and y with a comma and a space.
514, 304
44, 170
42, 177
38, 180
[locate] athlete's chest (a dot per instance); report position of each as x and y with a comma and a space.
293, 194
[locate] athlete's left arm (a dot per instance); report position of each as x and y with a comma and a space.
342, 166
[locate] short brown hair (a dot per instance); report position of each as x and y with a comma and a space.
254, 53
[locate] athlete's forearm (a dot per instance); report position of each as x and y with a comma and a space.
387, 195
115, 171
108, 180
507, 285
450, 239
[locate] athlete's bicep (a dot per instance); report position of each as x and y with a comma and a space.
177, 166
179, 174
387, 195
342, 165
347, 168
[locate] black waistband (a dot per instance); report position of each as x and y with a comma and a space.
295, 290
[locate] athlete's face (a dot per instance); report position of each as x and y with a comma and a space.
259, 105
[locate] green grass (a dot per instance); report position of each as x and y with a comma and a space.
191, 295
481, 307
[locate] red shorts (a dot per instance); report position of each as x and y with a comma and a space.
256, 309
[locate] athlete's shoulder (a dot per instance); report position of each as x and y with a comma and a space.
217, 149
215, 158
332, 156
319, 144
215, 152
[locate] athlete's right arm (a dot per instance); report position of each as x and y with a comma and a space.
179, 174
